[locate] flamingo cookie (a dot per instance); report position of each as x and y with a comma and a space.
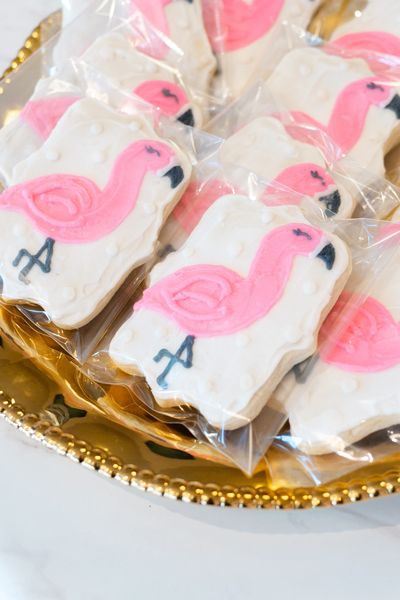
248, 38
376, 31
85, 210
174, 31
26, 133
114, 56
360, 112
352, 389
226, 316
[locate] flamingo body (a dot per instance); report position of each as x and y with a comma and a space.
239, 23
368, 341
213, 300
73, 209
376, 47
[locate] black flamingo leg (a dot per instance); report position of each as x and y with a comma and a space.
187, 363
35, 260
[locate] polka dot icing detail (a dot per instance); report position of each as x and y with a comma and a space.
266, 216
52, 154
135, 126
96, 128
293, 334
188, 252
349, 386
112, 249
151, 68
19, 229
99, 156
235, 249
309, 288
242, 340
68, 293
149, 208
305, 70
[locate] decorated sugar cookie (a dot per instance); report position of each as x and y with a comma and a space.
115, 57
226, 316
248, 38
376, 30
180, 24
352, 389
28, 131
86, 209
359, 111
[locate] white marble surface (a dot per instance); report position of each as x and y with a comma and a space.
67, 534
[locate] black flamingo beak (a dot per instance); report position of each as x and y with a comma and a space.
328, 255
332, 202
187, 118
394, 105
175, 175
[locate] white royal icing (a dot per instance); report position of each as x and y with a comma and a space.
377, 15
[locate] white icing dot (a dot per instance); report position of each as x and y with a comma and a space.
149, 208
126, 336
322, 94
161, 332
151, 68
242, 340
139, 68
96, 128
205, 386
107, 53
246, 381
349, 385
305, 70
293, 334
235, 249
98, 156
68, 293
188, 252
221, 217
266, 216
19, 229
309, 288
52, 154
112, 249
135, 126
183, 23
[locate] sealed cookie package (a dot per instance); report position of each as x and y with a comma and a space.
173, 31
343, 404
219, 323
249, 38
114, 60
81, 217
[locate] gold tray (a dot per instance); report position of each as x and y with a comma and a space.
43, 395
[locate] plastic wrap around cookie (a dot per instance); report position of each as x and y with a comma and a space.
350, 389
225, 317
114, 56
358, 110
85, 210
248, 38
373, 34
173, 30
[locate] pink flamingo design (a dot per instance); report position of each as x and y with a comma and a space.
154, 13
43, 115
169, 98
379, 49
212, 300
349, 114
235, 24
306, 179
360, 335
72, 209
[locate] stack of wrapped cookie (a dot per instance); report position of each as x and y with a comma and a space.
197, 205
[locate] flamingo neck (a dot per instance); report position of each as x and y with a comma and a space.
273, 260
126, 179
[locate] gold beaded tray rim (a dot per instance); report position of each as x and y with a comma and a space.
99, 460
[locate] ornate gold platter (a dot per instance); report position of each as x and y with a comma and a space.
45, 396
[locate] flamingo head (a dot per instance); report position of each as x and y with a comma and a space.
381, 93
312, 180
158, 158
169, 98
300, 239
319, 183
